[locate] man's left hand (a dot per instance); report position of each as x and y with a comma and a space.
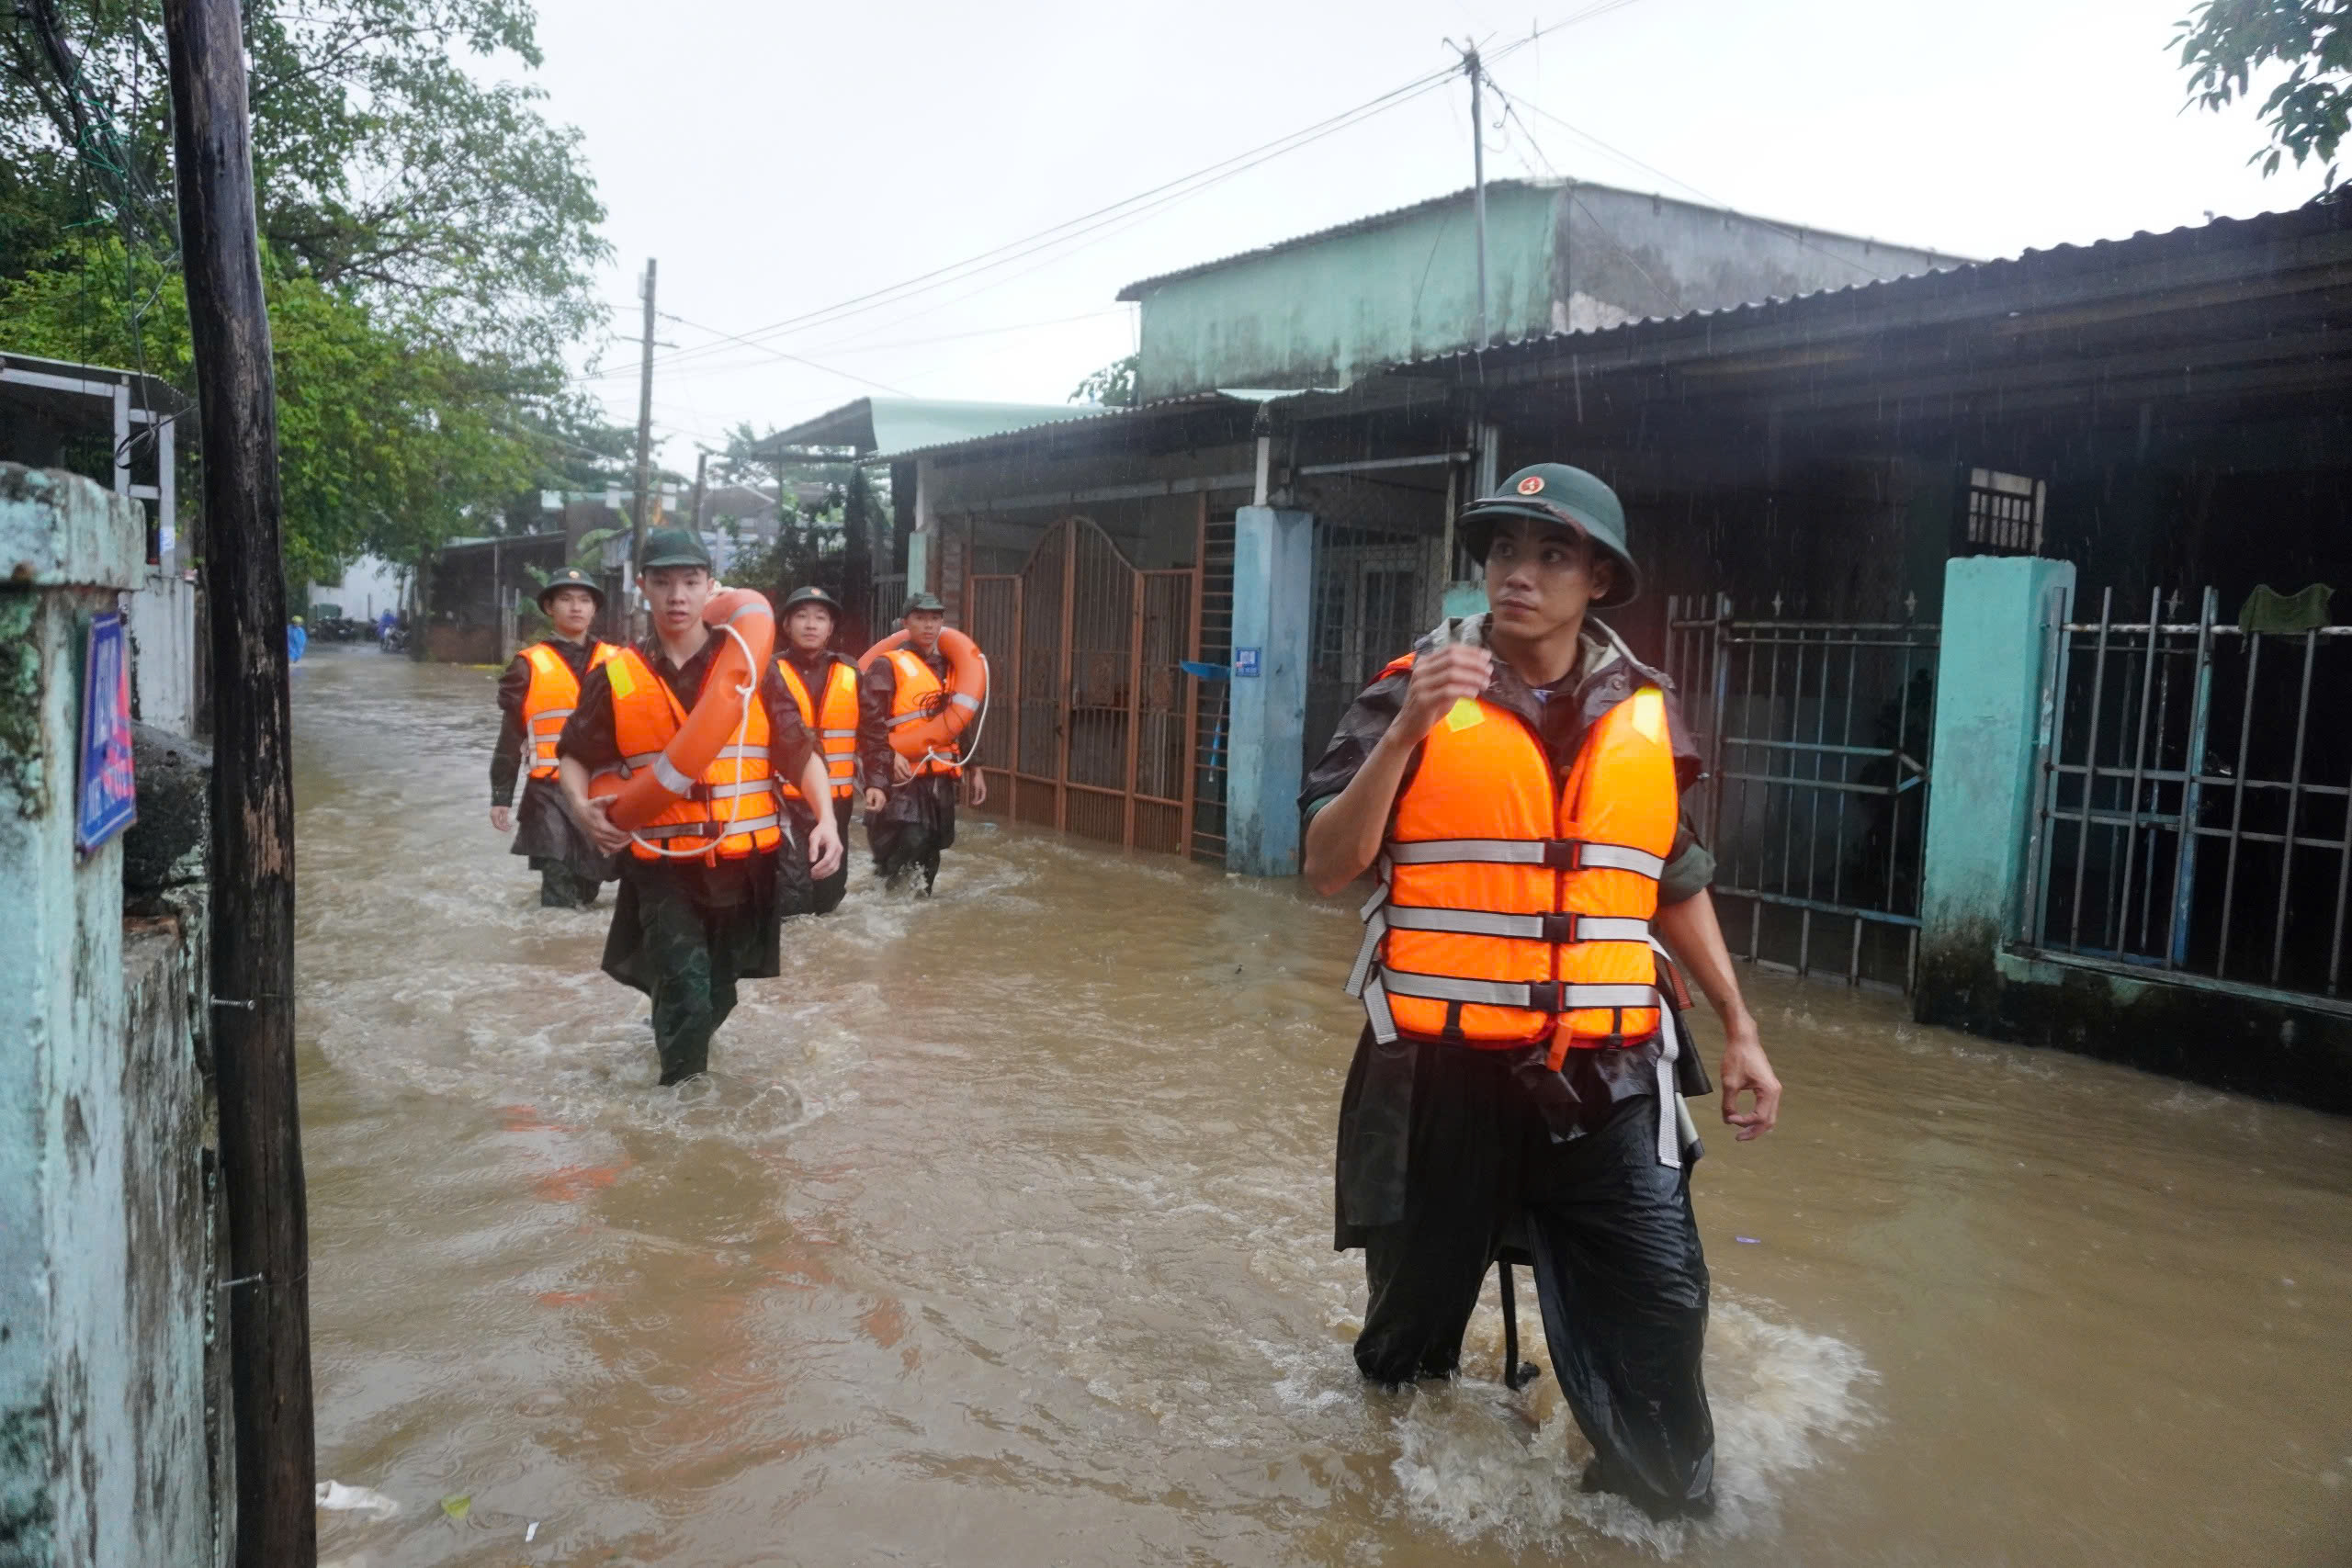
1745, 1071
824, 848
979, 787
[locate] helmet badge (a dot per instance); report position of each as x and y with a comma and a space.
1531, 484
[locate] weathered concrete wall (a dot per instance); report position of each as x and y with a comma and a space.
162, 651
1560, 256
103, 1248
1988, 714
1320, 314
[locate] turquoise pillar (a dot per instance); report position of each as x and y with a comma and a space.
1988, 721
1274, 565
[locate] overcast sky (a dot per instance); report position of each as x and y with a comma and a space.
783, 160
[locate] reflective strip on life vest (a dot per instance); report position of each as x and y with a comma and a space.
1540, 996
700, 829
1560, 855
1529, 927
917, 716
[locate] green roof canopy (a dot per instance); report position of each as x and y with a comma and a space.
877, 427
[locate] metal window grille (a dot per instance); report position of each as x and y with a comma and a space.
1814, 802
2190, 816
1372, 592
2004, 512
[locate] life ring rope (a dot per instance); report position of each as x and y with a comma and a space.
735, 800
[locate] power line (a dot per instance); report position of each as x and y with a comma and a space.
1152, 199
780, 354
1157, 197
1651, 169
1116, 216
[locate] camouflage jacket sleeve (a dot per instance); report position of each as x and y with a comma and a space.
506, 759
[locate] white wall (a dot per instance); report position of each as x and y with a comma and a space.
368, 588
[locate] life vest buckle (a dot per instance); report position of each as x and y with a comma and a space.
1560, 855
1559, 929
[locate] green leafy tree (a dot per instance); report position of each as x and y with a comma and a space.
1114, 385
2223, 43
429, 244
382, 165
384, 445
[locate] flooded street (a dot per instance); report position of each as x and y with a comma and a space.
1001, 1236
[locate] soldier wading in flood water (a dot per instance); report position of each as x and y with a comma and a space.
1515, 780
916, 819
826, 688
702, 888
535, 695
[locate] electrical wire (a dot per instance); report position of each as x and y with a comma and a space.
1795, 235
1153, 198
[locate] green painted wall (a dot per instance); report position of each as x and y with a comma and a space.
1988, 710
1322, 313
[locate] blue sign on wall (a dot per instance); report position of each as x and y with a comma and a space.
107, 800
1245, 664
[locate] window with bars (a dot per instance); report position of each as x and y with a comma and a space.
2004, 516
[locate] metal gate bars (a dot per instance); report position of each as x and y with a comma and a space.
1092, 722
1815, 736
2193, 807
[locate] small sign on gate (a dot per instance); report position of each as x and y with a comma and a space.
1245, 664
105, 797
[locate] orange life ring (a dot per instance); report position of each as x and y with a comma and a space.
718, 712
968, 688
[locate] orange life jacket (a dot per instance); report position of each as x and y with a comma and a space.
738, 782
554, 692
834, 724
919, 694
1513, 909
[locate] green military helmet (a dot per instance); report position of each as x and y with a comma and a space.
674, 546
923, 601
812, 595
572, 577
1555, 493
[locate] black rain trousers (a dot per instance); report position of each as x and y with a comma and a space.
917, 823
1614, 1247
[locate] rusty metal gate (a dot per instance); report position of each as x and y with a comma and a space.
1815, 800
1092, 721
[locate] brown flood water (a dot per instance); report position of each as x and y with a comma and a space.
1001, 1236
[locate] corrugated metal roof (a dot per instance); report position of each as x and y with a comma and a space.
2317, 217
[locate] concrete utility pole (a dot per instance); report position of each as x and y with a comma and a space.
702, 466
251, 1017
1477, 183
644, 436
